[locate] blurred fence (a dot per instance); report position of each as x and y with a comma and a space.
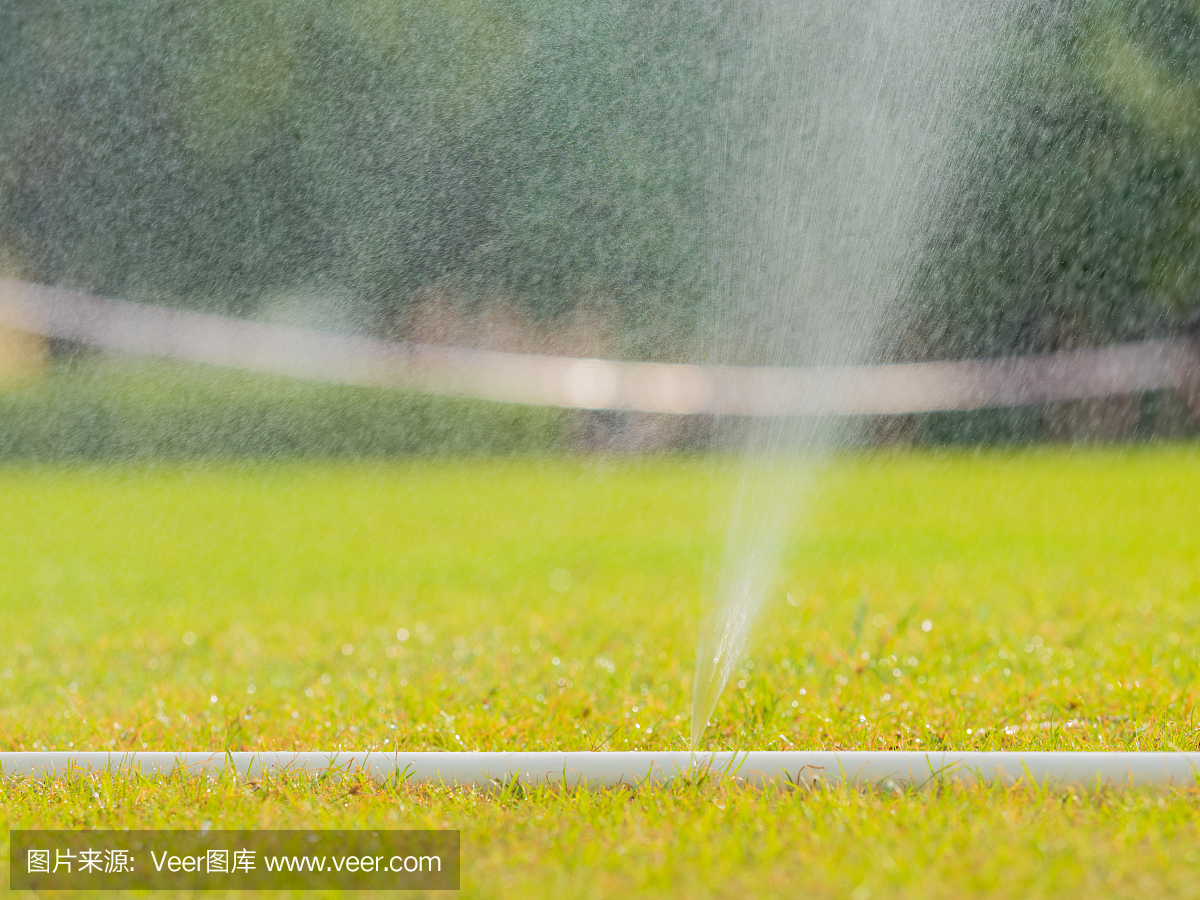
599, 384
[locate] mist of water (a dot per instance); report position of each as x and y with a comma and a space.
844, 127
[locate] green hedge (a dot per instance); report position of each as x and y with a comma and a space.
101, 409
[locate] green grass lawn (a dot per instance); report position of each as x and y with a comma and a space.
1044, 599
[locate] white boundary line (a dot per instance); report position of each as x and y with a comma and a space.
631, 768
576, 383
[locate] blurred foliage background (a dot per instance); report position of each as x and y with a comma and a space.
220, 153
356, 165
1077, 220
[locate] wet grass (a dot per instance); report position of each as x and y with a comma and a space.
1041, 599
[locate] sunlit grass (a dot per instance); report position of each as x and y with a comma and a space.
1037, 600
